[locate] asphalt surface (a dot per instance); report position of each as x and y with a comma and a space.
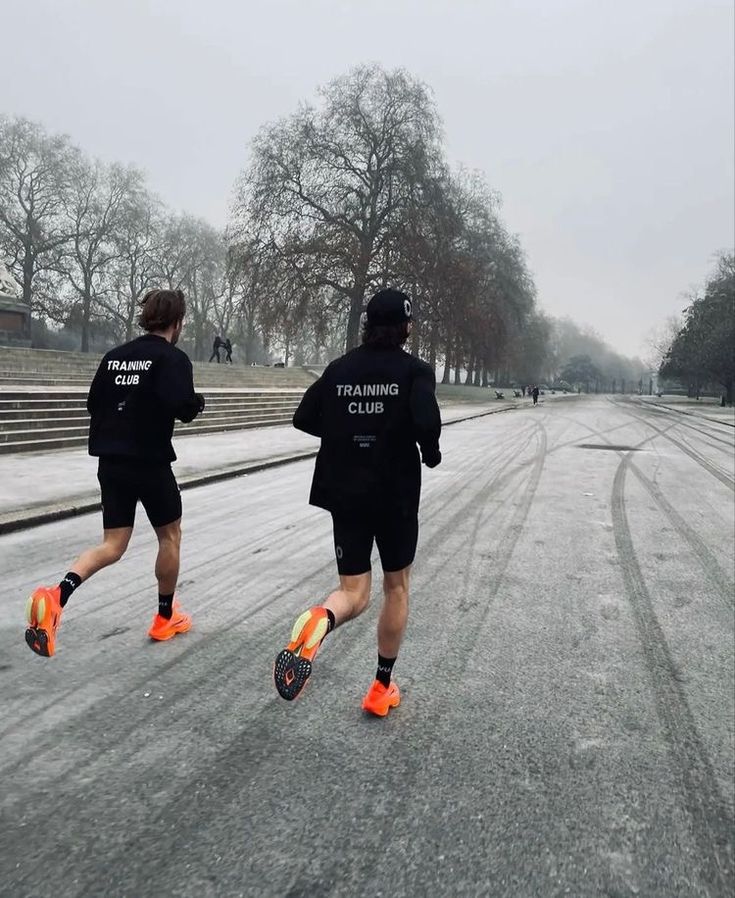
567, 677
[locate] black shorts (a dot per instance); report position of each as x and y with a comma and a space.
396, 535
124, 482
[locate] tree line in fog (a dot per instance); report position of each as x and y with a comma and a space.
348, 194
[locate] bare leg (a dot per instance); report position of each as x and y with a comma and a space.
112, 549
167, 560
394, 612
351, 599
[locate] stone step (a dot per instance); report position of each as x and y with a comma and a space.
79, 397
74, 417
202, 384
8, 416
56, 367
31, 444
21, 380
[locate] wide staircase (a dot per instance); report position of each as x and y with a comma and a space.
43, 398
50, 368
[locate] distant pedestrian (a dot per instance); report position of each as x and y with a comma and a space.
228, 350
534, 393
218, 342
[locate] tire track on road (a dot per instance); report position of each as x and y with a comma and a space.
461, 642
252, 744
709, 815
700, 459
702, 554
506, 451
711, 567
711, 430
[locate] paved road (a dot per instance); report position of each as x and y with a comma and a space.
567, 722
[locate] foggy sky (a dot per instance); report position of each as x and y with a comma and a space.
607, 126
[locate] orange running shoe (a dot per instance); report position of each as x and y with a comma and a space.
43, 614
293, 665
162, 628
380, 699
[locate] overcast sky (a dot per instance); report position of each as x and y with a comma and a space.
606, 126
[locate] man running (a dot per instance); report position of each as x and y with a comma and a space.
370, 408
137, 392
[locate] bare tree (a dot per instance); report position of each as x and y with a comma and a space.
660, 339
201, 269
35, 180
138, 238
330, 183
94, 209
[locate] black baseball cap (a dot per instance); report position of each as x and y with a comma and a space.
389, 307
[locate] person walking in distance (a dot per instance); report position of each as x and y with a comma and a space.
137, 392
228, 350
371, 407
534, 393
218, 342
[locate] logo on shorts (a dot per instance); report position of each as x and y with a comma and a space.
339, 553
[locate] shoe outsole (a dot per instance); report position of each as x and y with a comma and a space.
290, 673
37, 640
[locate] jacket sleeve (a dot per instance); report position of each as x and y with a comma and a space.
175, 387
425, 415
308, 416
97, 388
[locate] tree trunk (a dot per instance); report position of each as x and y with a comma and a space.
86, 315
130, 316
28, 276
353, 322
457, 362
432, 353
250, 343
447, 361
415, 333
357, 295
470, 371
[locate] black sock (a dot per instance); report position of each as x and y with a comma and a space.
165, 605
332, 620
385, 669
68, 585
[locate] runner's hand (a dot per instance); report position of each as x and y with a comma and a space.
201, 401
431, 457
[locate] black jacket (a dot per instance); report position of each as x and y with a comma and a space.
370, 408
137, 392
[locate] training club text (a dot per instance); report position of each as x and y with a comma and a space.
120, 379
366, 408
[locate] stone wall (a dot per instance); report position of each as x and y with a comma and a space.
15, 322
